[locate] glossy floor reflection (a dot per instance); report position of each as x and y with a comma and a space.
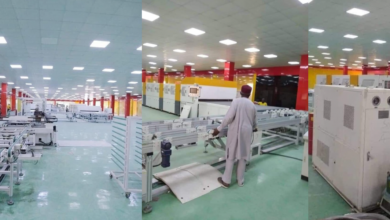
72, 183
273, 189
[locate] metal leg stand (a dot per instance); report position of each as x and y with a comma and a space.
11, 185
149, 169
18, 167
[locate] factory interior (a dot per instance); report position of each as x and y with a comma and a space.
349, 83
70, 74
196, 57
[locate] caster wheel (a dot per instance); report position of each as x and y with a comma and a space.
110, 176
17, 183
147, 209
10, 202
127, 195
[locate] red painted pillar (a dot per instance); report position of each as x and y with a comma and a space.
13, 100
112, 103
127, 104
364, 69
4, 99
303, 87
88, 101
83, 101
55, 103
187, 71
160, 76
143, 75
94, 102
229, 71
102, 103
388, 72
345, 70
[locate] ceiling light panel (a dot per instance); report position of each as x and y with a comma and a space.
150, 45
194, 31
99, 44
228, 42
316, 30
357, 11
149, 16
351, 36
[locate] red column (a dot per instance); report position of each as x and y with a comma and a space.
303, 87
24, 95
127, 104
143, 75
13, 100
4, 99
102, 103
19, 94
112, 103
83, 101
388, 72
229, 71
94, 102
88, 101
55, 102
345, 70
187, 71
160, 76
364, 69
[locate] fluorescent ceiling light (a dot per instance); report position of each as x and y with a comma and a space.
101, 89
46, 87
351, 36
228, 42
246, 66
363, 58
221, 60
80, 86
24, 77
343, 59
47, 67
78, 68
323, 47
174, 69
99, 44
139, 48
10, 83
108, 70
115, 90
328, 58
357, 11
293, 62
31, 87
252, 49
190, 64
318, 62
169, 66
90, 80
136, 72
28, 84
74, 88
153, 56
194, 31
371, 63
111, 81
46, 78
133, 82
377, 59
347, 49
311, 56
358, 61
305, 1
17, 87
16, 66
203, 56
152, 67
128, 91
152, 63
326, 53
354, 64
193, 69
173, 60
130, 87
149, 16
2, 40
150, 45
270, 56
214, 67
179, 51
316, 30
342, 63
379, 41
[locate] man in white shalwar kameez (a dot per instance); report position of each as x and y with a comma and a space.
241, 119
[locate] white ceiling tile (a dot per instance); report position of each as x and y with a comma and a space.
75, 16
27, 14
106, 7
77, 5
51, 15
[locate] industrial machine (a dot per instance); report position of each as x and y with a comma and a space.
311, 100
153, 95
321, 80
369, 81
340, 80
96, 116
169, 103
350, 143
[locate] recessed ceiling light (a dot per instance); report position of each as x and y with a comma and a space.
24, 77
358, 61
136, 72
321, 65
311, 56
270, 56
133, 82
323, 47
190, 64
16, 66
153, 56
115, 90
318, 62
328, 58
173, 60
326, 53
214, 67
108, 70
377, 59
46, 78
354, 64
379, 41
149, 16
371, 63
179, 51
78, 68
152, 63
342, 63
246, 66
252, 50
174, 69
130, 87
111, 81
139, 48
28, 84
101, 89
150, 45
2, 40
80, 86
152, 67
227, 42
357, 11
221, 60
293, 62
194, 31
47, 67
343, 59
347, 49
99, 44
203, 56
305, 1
316, 30
10, 83
193, 69
90, 80
169, 66
74, 88
351, 36
363, 58
31, 87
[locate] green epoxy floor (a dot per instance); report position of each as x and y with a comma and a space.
273, 189
72, 183
324, 201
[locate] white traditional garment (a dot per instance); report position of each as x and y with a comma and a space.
241, 119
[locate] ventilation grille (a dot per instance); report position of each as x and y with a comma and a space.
327, 107
383, 114
349, 116
368, 82
323, 152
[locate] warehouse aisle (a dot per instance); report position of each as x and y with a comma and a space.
269, 180
72, 182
